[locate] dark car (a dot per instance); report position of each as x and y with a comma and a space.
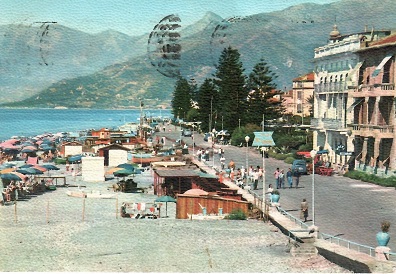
187, 133
206, 136
301, 166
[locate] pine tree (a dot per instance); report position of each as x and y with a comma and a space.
181, 101
207, 98
231, 85
262, 95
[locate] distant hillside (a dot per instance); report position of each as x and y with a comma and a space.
33, 57
286, 39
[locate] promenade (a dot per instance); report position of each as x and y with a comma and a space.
346, 208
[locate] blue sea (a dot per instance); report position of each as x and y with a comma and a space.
31, 122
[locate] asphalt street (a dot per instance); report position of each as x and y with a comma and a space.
350, 209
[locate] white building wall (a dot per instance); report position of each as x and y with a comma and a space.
117, 157
73, 150
92, 169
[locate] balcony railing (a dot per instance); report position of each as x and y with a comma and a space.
376, 87
331, 87
378, 128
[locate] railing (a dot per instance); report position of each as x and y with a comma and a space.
365, 127
376, 87
292, 218
348, 244
391, 256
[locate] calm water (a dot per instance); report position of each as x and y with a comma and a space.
30, 122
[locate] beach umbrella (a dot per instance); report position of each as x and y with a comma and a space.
196, 191
128, 166
7, 170
15, 176
41, 168
27, 150
26, 166
74, 158
123, 172
113, 169
50, 167
165, 199
29, 171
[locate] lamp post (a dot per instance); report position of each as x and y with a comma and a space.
263, 151
247, 138
313, 154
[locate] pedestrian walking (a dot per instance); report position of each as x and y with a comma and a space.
255, 179
276, 175
304, 210
222, 161
281, 178
296, 175
289, 177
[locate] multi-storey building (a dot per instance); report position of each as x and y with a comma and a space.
337, 67
373, 108
303, 88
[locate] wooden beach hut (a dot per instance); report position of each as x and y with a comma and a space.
213, 204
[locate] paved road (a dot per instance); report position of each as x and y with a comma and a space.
351, 209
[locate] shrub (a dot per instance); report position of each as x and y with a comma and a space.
371, 178
237, 214
289, 160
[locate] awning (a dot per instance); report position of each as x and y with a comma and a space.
354, 104
354, 70
381, 65
263, 139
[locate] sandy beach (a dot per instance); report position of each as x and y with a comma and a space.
50, 233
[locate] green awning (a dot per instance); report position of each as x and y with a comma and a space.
263, 139
381, 65
354, 104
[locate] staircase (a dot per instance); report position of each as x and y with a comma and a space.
304, 249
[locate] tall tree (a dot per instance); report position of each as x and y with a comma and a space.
263, 97
207, 99
181, 101
231, 85
311, 102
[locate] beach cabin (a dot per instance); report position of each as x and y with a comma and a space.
71, 148
171, 182
207, 206
114, 154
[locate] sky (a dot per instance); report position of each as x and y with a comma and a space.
132, 17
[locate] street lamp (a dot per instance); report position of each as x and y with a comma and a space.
313, 154
247, 138
263, 151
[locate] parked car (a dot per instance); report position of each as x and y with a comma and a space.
187, 133
301, 166
206, 136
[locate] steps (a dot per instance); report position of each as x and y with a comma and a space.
305, 249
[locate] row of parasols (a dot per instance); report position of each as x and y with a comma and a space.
27, 146
10, 171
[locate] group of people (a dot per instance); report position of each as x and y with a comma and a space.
281, 177
15, 190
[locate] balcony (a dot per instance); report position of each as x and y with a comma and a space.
335, 87
326, 123
379, 131
375, 90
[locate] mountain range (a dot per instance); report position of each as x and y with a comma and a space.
51, 65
